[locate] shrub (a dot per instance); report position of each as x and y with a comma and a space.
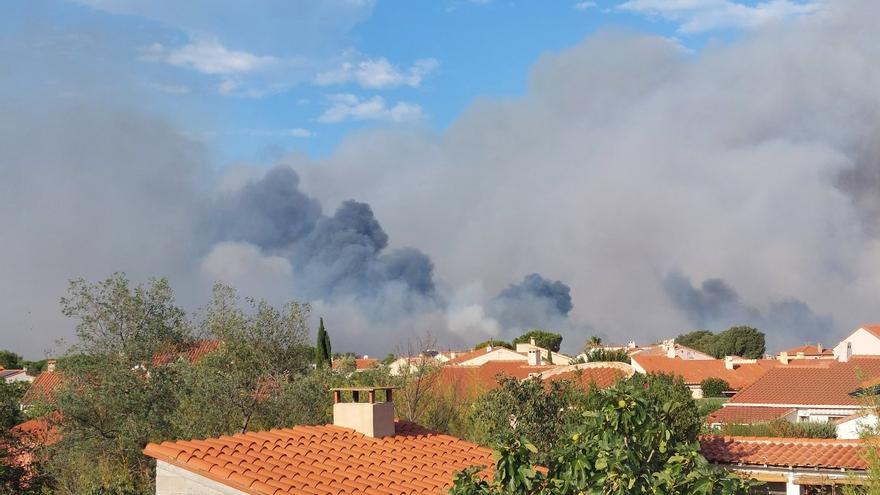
606, 355
714, 387
782, 428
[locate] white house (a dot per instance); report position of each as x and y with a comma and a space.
852, 427
865, 341
12, 376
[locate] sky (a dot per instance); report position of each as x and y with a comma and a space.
470, 168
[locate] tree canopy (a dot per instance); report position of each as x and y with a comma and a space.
605, 355
740, 341
493, 343
547, 340
626, 443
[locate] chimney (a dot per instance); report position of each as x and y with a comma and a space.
783, 357
819, 348
373, 419
670, 347
847, 353
728, 362
50, 365
631, 344
532, 341
535, 357
489, 348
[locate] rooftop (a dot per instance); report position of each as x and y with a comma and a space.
695, 371
785, 452
321, 460
747, 414
43, 387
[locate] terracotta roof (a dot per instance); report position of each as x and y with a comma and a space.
471, 381
811, 385
810, 350
359, 364
192, 352
785, 452
588, 376
695, 371
747, 414
43, 387
319, 460
39, 431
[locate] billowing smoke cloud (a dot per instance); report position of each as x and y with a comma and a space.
536, 302
628, 158
714, 305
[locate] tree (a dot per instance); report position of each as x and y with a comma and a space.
527, 409
547, 340
417, 378
9, 360
608, 355
323, 356
493, 343
627, 443
714, 387
593, 342
740, 341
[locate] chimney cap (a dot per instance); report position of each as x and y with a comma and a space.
362, 389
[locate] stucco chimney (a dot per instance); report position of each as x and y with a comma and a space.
532, 341
535, 357
783, 357
50, 365
489, 348
373, 419
819, 348
728, 362
846, 354
670, 347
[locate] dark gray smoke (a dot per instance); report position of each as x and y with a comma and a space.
536, 302
715, 305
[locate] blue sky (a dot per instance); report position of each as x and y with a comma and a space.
256, 80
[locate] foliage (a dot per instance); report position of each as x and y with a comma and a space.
593, 341
9, 360
13, 478
627, 443
607, 355
323, 354
530, 408
707, 406
493, 343
547, 340
714, 387
740, 341
781, 428
390, 358
666, 388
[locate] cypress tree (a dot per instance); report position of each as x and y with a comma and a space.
323, 354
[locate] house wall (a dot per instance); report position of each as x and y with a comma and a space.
863, 343
852, 429
172, 480
822, 415
20, 377
500, 354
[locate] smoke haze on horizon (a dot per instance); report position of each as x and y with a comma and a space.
636, 191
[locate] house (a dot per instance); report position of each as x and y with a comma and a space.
737, 372
410, 365
486, 354
360, 364
587, 375
44, 386
809, 351
15, 376
804, 393
790, 466
670, 349
547, 355
191, 351
364, 451
864, 341
855, 425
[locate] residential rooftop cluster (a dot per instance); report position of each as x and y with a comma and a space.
368, 450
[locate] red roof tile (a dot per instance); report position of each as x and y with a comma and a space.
359, 364
811, 385
471, 381
43, 387
323, 460
872, 328
695, 371
747, 414
810, 350
191, 352
587, 376
785, 452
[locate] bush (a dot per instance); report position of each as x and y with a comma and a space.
781, 428
710, 405
493, 343
606, 355
714, 387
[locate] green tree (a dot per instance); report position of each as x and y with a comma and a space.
9, 360
547, 340
741, 341
530, 408
493, 343
606, 355
323, 354
627, 443
714, 387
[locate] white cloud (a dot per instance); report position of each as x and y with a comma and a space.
379, 73
208, 56
351, 107
694, 16
584, 5
300, 132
